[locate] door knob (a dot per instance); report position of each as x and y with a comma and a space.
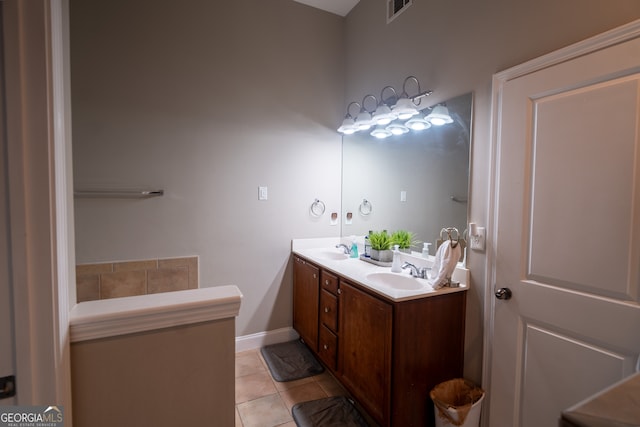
504, 293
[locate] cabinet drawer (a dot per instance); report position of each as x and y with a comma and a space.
327, 350
329, 282
329, 310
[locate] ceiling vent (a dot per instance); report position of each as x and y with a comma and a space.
396, 7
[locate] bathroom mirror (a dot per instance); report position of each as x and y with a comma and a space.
418, 181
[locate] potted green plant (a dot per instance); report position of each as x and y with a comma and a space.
404, 239
381, 246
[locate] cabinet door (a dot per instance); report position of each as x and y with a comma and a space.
365, 350
306, 294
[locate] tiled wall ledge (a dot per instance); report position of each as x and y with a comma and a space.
113, 317
130, 278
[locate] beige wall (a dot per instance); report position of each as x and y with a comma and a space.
208, 100
456, 47
181, 376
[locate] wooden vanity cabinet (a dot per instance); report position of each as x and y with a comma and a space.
388, 354
306, 288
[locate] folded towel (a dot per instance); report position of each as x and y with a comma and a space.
444, 264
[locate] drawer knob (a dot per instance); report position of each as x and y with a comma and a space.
339, 291
326, 347
326, 309
326, 282
314, 275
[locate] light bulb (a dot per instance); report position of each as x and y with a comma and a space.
397, 129
405, 109
417, 124
363, 120
348, 126
381, 133
383, 115
439, 116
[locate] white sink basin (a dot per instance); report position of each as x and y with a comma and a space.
397, 281
330, 254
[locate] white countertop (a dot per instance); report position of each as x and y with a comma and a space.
616, 405
356, 270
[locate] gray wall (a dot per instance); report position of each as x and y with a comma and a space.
456, 47
208, 100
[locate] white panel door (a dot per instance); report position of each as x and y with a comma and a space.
566, 232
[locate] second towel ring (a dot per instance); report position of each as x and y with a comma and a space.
365, 207
317, 208
449, 231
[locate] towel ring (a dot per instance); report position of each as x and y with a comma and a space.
365, 207
317, 208
449, 231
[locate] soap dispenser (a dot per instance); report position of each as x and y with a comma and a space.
425, 250
396, 266
367, 245
354, 248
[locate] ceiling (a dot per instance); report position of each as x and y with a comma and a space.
339, 7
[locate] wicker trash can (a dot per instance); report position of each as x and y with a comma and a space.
458, 402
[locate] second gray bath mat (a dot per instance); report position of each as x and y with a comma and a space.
329, 412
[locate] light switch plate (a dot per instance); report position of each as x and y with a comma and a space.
477, 242
262, 193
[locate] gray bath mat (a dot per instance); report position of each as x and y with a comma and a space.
329, 412
290, 361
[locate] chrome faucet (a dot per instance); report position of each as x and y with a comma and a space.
347, 249
420, 273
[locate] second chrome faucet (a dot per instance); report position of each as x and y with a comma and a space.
420, 273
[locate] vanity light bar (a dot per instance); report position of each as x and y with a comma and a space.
393, 115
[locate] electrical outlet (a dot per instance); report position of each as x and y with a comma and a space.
477, 241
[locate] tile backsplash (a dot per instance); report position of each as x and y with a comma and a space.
128, 278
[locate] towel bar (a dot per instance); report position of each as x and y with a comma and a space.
117, 194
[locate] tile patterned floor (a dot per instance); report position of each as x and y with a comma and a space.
263, 402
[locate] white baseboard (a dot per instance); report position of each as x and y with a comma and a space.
260, 339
